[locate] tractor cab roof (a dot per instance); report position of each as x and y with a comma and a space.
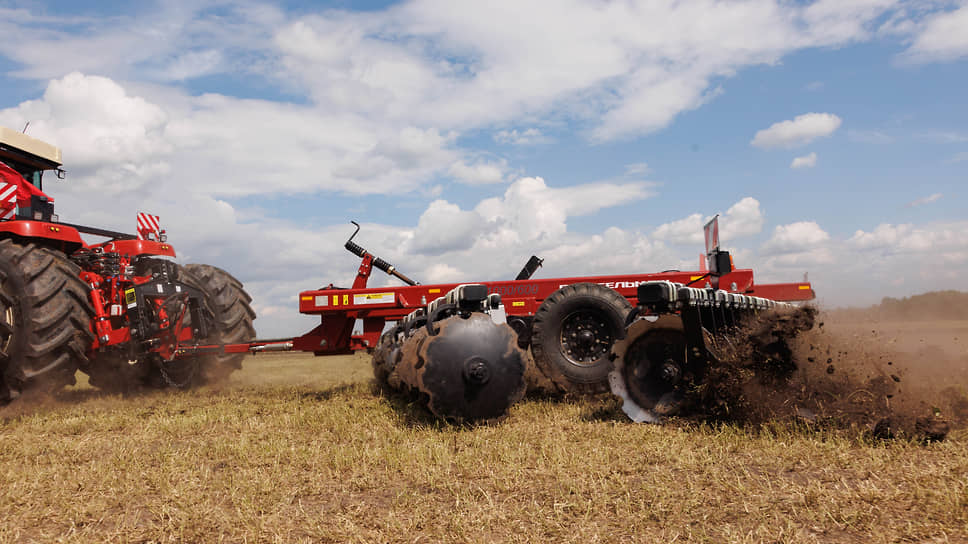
24, 151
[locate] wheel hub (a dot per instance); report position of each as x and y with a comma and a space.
476, 371
670, 371
585, 337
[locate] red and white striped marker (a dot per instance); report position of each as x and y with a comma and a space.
148, 225
8, 200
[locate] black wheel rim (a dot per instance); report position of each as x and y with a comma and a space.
586, 337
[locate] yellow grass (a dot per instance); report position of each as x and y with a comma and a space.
297, 448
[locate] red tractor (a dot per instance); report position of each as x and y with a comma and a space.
116, 310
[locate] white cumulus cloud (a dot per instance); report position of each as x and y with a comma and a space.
941, 37
478, 173
445, 227
95, 120
799, 131
219, 145
885, 235
530, 209
911, 239
795, 237
806, 161
687, 230
742, 219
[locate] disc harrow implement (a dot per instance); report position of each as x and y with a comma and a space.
471, 353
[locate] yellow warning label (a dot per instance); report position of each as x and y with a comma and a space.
129, 297
346, 300
306, 298
517, 303
433, 290
694, 278
374, 298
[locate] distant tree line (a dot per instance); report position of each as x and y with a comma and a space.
933, 305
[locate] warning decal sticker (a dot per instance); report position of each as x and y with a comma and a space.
374, 298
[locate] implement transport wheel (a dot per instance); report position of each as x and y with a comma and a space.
573, 333
232, 319
45, 319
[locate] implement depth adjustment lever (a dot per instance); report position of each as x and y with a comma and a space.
357, 250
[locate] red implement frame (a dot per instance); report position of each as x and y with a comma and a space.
340, 308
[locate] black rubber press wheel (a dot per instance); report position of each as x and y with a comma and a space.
573, 333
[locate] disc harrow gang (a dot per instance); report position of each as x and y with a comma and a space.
458, 354
677, 333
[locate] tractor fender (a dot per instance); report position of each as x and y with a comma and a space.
134, 248
47, 234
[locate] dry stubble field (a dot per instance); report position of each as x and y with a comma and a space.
297, 448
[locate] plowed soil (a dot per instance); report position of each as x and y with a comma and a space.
887, 378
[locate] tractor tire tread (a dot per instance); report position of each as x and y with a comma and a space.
52, 318
234, 316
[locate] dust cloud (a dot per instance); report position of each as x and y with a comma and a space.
886, 377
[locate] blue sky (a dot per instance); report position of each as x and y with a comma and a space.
832, 136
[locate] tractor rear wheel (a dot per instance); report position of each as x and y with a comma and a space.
45, 320
572, 336
233, 316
